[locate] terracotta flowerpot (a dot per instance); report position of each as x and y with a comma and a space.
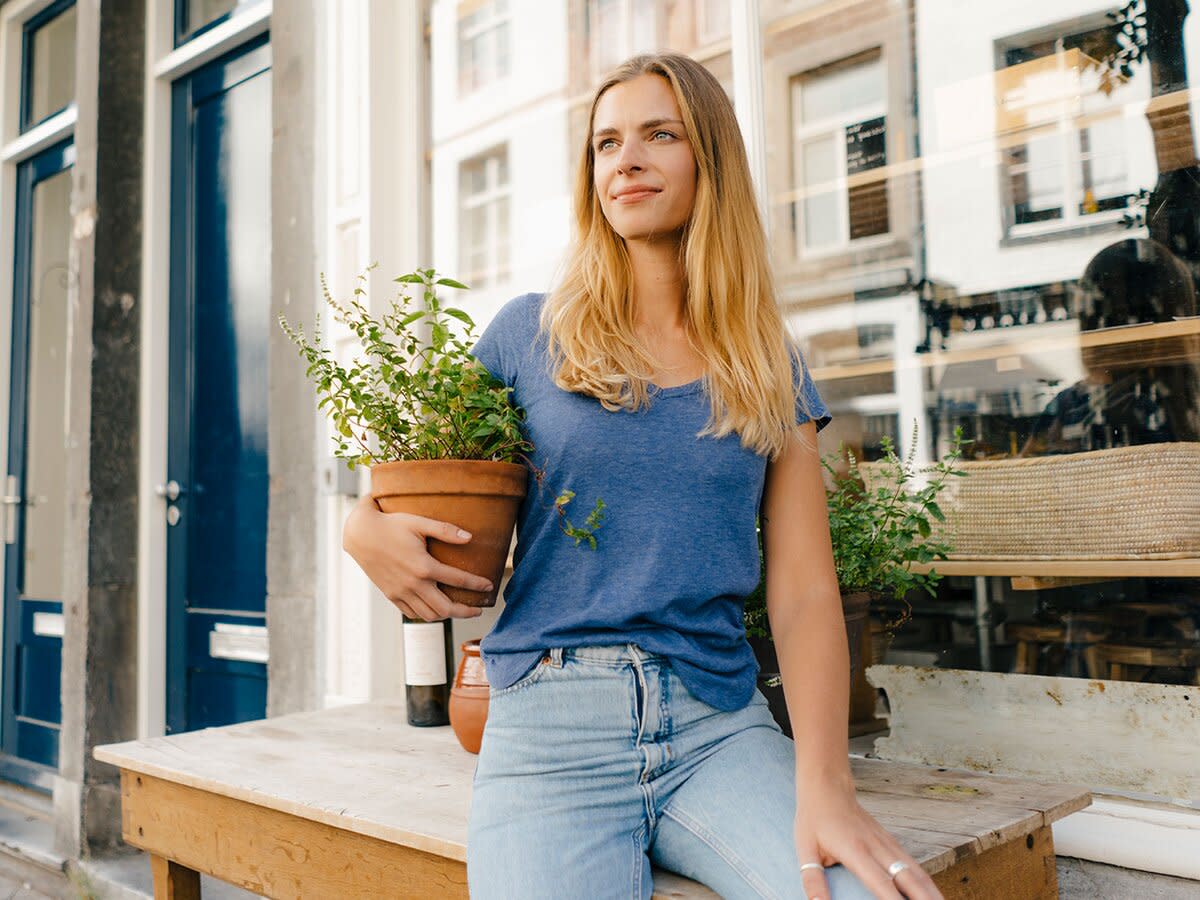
469, 698
854, 611
481, 496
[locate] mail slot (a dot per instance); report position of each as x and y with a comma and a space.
245, 643
48, 624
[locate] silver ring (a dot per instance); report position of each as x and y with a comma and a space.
896, 868
811, 866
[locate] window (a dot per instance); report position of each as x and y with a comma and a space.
48, 84
194, 17
617, 29
483, 43
483, 230
840, 139
1063, 139
712, 20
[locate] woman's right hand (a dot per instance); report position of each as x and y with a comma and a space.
390, 548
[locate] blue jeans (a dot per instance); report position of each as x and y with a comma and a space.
600, 761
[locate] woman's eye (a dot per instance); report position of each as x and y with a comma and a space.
667, 133
600, 146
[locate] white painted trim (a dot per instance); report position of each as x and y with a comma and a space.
13, 16
235, 31
41, 136
164, 65
1118, 832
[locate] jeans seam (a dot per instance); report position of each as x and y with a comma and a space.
638, 853
730, 858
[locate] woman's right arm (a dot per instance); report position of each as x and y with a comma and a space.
391, 550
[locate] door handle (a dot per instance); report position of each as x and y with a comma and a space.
171, 491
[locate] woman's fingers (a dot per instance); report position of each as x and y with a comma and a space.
816, 887
863, 864
913, 881
444, 574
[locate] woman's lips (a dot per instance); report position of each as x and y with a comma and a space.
635, 197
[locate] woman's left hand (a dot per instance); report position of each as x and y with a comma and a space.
831, 827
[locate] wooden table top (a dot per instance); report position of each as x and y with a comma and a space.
364, 769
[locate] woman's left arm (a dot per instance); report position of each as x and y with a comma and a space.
805, 613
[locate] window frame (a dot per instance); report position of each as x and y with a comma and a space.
1067, 129
626, 37
497, 251
34, 24
835, 127
463, 34
179, 25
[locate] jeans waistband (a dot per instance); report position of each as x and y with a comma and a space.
606, 653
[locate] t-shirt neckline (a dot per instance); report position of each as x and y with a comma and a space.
688, 388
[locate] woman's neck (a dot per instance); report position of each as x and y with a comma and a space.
657, 286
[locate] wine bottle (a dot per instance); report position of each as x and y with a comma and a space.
428, 663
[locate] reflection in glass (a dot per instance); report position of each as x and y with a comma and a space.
199, 13
45, 445
51, 67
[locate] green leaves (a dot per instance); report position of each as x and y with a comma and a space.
412, 389
881, 522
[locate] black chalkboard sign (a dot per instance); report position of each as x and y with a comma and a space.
865, 145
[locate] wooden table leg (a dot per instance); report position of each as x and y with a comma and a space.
173, 881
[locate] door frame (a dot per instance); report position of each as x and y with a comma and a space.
47, 163
165, 64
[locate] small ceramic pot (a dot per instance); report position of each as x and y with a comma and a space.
469, 698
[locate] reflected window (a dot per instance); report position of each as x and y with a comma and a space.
193, 17
484, 203
49, 76
616, 30
840, 154
1062, 130
483, 43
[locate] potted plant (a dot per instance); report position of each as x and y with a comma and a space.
438, 431
879, 523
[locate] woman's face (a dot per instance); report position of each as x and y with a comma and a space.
638, 141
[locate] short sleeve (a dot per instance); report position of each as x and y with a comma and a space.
497, 347
809, 405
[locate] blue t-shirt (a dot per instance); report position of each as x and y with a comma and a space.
676, 551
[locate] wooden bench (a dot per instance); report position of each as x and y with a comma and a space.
353, 803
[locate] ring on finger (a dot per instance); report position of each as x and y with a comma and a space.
815, 865
896, 868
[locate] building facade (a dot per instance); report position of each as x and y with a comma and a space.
950, 192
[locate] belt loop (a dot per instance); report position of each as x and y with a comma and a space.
556, 657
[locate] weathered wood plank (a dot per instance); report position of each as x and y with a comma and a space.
1122, 735
271, 853
1019, 870
961, 786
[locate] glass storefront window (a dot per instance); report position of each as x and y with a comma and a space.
980, 218
49, 80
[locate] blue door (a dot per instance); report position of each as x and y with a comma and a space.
215, 499
34, 499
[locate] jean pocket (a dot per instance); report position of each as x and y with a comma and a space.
529, 678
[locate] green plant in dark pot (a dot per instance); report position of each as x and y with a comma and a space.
882, 518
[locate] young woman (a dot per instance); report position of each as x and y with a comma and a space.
624, 724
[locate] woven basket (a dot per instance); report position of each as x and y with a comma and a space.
1138, 502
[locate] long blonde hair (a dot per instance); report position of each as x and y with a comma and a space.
731, 315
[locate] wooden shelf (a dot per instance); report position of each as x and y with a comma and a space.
1023, 340
1072, 568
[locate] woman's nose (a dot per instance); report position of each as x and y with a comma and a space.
629, 160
